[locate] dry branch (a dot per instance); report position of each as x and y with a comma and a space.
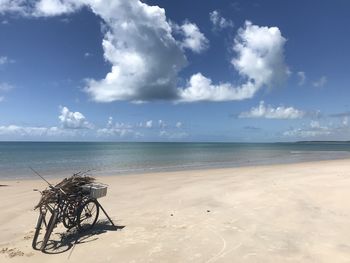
71, 185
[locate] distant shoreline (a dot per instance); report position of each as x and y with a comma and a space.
104, 158
166, 171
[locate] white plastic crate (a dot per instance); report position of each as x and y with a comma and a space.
95, 190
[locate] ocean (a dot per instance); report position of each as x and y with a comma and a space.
54, 159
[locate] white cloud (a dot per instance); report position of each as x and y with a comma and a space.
161, 124
5, 87
138, 43
149, 124
56, 7
193, 38
201, 88
315, 124
110, 122
320, 83
146, 59
87, 54
173, 135
32, 131
5, 60
73, 120
114, 131
313, 130
178, 124
268, 112
13, 6
218, 21
260, 55
302, 78
119, 129
260, 60
144, 56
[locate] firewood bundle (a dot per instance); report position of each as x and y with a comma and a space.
69, 186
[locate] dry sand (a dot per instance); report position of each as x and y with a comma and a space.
280, 213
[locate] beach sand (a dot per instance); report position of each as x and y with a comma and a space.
278, 213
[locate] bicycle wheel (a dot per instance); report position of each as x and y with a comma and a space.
70, 216
88, 214
38, 227
49, 230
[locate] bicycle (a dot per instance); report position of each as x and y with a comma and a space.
72, 210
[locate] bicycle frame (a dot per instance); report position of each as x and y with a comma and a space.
64, 209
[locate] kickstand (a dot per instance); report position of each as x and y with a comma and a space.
104, 211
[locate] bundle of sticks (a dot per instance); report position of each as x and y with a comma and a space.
69, 186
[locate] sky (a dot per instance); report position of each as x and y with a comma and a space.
200, 70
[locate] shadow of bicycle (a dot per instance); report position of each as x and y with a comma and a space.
68, 240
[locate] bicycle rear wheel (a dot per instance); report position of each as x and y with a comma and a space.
88, 214
70, 216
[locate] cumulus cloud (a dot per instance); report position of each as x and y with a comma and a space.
87, 54
4, 87
109, 122
5, 60
56, 7
146, 59
260, 55
13, 6
73, 120
173, 135
149, 124
316, 130
269, 112
320, 83
162, 124
118, 129
178, 125
32, 131
218, 21
201, 88
260, 60
114, 131
302, 78
345, 121
313, 130
138, 43
193, 38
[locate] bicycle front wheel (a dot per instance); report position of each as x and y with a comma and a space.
88, 214
50, 227
39, 225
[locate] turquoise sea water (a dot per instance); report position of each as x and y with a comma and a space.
64, 158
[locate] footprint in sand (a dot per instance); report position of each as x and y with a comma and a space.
12, 252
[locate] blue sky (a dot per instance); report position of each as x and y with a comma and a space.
125, 70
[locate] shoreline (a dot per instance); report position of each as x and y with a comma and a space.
167, 171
